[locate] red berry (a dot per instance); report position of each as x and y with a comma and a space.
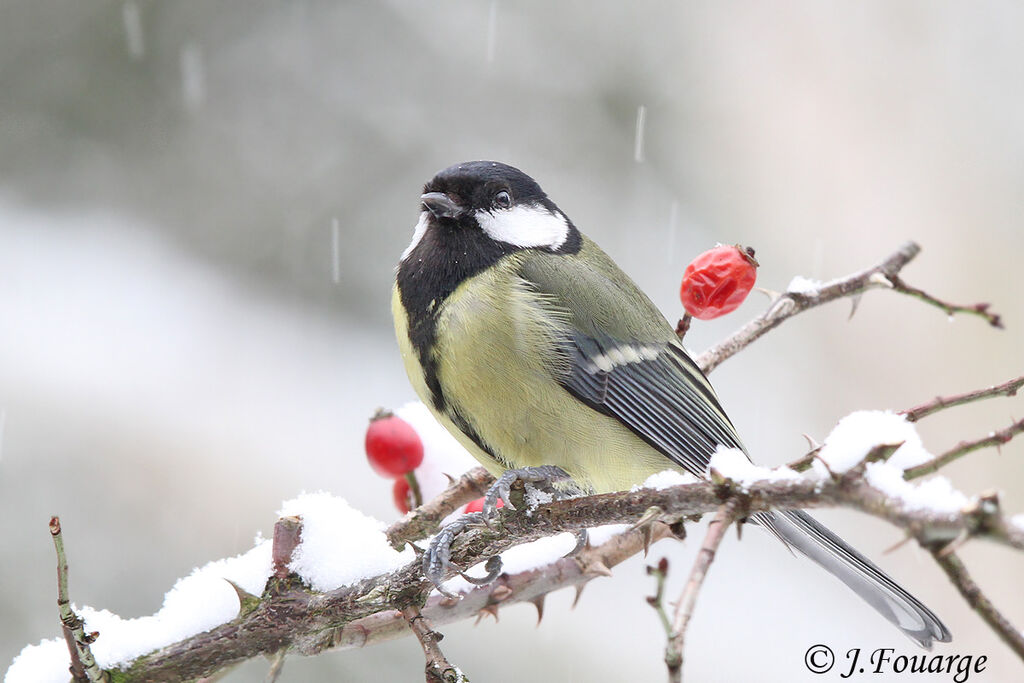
402, 495
478, 505
392, 446
717, 281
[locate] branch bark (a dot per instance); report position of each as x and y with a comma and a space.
725, 516
438, 668
1009, 388
957, 573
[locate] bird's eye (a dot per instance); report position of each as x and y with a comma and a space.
503, 199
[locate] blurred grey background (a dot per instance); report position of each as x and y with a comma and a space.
184, 344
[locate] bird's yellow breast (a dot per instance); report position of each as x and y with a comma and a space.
498, 366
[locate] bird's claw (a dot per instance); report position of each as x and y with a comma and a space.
437, 558
582, 539
545, 475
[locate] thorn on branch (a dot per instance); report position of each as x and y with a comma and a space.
804, 463
247, 602
538, 602
579, 592
646, 526
491, 609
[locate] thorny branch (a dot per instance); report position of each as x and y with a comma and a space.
963, 448
725, 516
438, 668
368, 612
942, 402
788, 304
289, 617
957, 573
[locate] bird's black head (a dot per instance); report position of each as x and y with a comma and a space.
490, 209
460, 191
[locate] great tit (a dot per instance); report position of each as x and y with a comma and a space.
534, 349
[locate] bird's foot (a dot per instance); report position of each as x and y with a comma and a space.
541, 478
437, 558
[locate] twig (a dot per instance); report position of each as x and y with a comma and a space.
438, 668
963, 448
425, 519
83, 665
683, 326
287, 536
788, 304
957, 573
276, 665
941, 402
660, 573
688, 600
980, 310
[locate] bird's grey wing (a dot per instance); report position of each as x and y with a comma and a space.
642, 377
631, 368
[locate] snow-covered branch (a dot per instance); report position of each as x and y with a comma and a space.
332, 578
290, 615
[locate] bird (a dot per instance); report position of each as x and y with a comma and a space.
539, 354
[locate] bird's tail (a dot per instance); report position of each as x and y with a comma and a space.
804, 533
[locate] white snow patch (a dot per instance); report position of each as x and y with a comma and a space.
1018, 521
666, 479
340, 545
196, 603
46, 662
802, 285
535, 498
733, 464
520, 559
935, 494
603, 534
857, 433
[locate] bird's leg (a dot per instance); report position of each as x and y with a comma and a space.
436, 559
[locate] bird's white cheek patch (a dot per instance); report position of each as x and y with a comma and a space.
417, 235
525, 226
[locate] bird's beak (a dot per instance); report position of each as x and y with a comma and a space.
441, 205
